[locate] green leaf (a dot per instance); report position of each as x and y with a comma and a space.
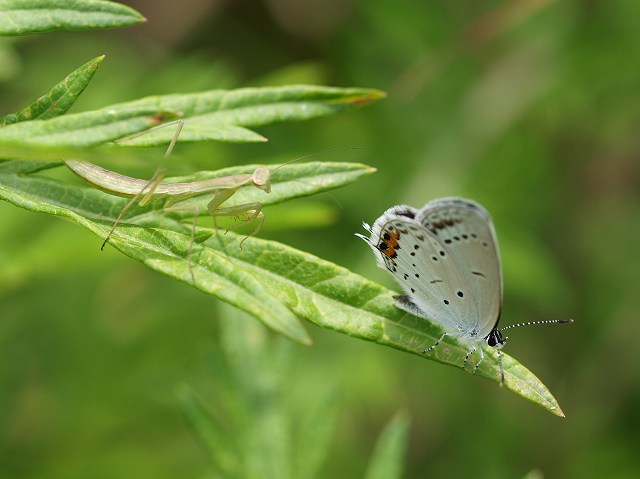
315, 436
21, 17
81, 129
60, 98
272, 281
229, 112
212, 434
222, 278
221, 115
387, 461
256, 425
288, 182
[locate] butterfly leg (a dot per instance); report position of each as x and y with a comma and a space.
466, 358
475, 368
501, 368
429, 349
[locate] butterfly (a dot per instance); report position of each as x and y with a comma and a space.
445, 257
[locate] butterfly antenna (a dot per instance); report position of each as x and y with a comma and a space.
531, 323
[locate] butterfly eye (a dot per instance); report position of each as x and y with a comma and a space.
494, 339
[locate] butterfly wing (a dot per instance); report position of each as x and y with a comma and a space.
445, 257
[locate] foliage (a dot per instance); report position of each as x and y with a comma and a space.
264, 288
528, 107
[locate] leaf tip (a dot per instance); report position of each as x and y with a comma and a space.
369, 97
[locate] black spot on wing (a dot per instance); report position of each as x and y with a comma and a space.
407, 214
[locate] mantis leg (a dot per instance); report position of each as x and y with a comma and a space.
251, 210
153, 183
147, 191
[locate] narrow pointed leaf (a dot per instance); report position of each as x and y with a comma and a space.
82, 129
387, 461
60, 98
315, 437
21, 17
214, 437
248, 107
288, 182
222, 115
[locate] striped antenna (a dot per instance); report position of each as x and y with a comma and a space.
530, 323
549, 321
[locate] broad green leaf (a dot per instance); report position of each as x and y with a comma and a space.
21, 17
272, 281
387, 461
59, 99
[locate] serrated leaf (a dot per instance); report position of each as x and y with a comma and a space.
59, 99
82, 129
222, 115
248, 107
289, 181
196, 129
272, 281
21, 17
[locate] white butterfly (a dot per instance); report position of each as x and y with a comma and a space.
446, 259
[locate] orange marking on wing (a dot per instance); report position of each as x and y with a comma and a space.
390, 239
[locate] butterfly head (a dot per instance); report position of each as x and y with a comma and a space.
495, 339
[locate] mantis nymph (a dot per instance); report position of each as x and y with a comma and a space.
146, 191
222, 188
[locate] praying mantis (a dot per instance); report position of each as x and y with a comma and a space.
222, 188
146, 191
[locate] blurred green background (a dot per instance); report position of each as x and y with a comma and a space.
530, 107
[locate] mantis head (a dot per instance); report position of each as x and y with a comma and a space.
261, 177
